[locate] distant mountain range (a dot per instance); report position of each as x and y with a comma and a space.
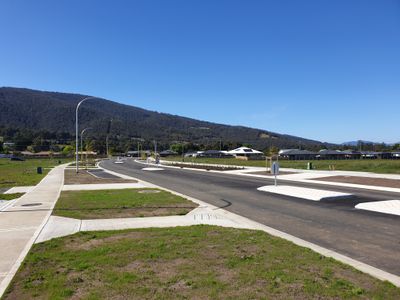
356, 143
55, 112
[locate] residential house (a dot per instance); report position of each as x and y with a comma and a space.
246, 153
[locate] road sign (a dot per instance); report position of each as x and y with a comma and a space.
275, 168
275, 171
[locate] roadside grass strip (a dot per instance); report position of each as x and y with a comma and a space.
91, 177
122, 203
10, 196
196, 262
22, 173
304, 193
387, 207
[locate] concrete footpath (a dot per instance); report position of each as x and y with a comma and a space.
21, 223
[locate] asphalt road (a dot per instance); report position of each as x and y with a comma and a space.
372, 238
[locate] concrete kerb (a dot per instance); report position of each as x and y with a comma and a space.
10, 275
250, 224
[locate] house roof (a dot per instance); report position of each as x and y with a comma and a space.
244, 150
296, 152
168, 152
330, 152
351, 152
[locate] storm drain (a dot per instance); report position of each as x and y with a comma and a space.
32, 204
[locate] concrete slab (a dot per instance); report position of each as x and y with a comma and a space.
6, 203
152, 169
105, 186
387, 207
20, 189
58, 227
304, 193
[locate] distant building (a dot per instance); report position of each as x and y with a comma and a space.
296, 154
247, 153
351, 154
214, 154
369, 155
9, 145
41, 154
395, 155
330, 154
166, 153
138, 153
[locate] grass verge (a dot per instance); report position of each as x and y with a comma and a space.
384, 166
83, 177
21, 173
124, 203
199, 262
10, 196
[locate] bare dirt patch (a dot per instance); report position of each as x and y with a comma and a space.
393, 183
83, 177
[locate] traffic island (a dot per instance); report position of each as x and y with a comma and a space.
304, 193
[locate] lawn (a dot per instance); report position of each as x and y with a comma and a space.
21, 173
124, 203
197, 262
10, 196
384, 166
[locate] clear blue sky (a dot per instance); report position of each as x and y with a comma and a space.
326, 70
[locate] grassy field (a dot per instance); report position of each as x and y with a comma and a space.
20, 173
124, 203
197, 262
384, 166
10, 196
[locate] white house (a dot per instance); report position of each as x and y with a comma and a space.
246, 153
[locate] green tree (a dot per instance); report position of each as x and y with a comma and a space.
178, 148
68, 150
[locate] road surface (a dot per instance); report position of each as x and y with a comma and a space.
370, 237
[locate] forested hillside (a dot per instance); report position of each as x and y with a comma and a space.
53, 114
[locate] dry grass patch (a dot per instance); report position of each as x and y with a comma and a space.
83, 177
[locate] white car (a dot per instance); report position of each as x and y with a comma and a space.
118, 161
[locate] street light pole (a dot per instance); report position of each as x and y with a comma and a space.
82, 132
77, 131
